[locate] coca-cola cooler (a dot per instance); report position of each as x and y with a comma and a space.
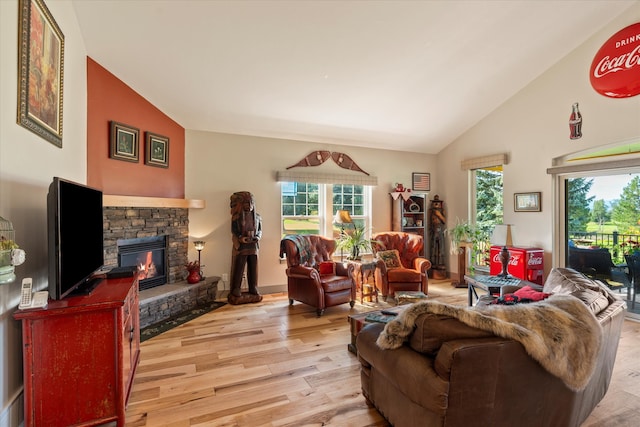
524, 263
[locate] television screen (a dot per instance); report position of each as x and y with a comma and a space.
75, 232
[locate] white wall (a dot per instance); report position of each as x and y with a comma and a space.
220, 164
533, 128
27, 166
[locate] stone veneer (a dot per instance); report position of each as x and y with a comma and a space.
167, 301
135, 222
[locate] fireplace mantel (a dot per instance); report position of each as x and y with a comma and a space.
109, 200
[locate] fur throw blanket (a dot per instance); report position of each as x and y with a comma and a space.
561, 333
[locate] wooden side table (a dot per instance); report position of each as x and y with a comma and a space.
365, 271
358, 321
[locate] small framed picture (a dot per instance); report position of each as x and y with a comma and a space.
124, 142
421, 181
527, 202
156, 150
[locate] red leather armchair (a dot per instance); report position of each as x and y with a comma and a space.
312, 276
411, 275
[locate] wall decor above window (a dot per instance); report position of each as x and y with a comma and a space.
156, 150
124, 142
41, 69
319, 157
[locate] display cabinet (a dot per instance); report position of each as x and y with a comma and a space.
409, 215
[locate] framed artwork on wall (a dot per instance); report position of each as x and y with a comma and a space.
527, 202
41, 71
156, 150
124, 142
421, 181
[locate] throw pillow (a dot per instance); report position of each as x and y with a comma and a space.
592, 299
527, 292
391, 258
327, 267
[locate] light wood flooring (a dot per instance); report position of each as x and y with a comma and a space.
271, 364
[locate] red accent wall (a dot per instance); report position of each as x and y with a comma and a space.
111, 99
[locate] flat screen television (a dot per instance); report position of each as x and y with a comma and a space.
75, 237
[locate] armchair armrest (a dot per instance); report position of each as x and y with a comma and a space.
347, 269
421, 264
302, 272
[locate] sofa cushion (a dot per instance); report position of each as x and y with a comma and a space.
593, 293
432, 330
391, 258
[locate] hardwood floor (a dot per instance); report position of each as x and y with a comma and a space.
271, 364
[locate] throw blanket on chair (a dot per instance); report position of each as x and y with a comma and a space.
302, 243
560, 332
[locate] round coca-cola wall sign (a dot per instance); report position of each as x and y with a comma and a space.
615, 70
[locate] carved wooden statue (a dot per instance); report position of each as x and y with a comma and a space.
437, 227
246, 229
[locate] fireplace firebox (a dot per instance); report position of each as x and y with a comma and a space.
149, 254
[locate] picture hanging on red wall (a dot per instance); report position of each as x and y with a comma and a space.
615, 70
124, 142
156, 150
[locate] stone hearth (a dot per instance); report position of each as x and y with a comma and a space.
163, 302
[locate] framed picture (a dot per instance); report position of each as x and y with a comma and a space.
124, 143
421, 181
527, 202
41, 70
156, 150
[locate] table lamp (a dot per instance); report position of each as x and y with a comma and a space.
342, 218
502, 236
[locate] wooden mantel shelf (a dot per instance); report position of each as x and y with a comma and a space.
150, 202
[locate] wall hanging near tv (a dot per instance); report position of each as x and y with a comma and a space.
41, 71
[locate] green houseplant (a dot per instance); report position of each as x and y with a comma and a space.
354, 242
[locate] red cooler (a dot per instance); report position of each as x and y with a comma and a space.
525, 263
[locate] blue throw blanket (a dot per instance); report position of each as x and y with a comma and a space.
302, 243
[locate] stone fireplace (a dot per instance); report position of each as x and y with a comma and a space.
141, 225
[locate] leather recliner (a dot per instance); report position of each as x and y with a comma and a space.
313, 277
411, 275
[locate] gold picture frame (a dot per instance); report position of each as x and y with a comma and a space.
41, 71
156, 150
124, 142
527, 202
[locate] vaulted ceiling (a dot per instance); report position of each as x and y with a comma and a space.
399, 75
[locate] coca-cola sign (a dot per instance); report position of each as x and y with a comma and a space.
615, 70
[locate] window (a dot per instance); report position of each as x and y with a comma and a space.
309, 208
488, 208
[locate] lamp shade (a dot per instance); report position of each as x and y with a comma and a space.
502, 235
342, 217
199, 245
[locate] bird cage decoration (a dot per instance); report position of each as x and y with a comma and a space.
10, 254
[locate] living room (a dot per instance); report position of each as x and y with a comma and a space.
530, 127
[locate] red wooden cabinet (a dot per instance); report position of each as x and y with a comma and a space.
80, 355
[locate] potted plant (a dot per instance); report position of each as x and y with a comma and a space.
463, 231
354, 242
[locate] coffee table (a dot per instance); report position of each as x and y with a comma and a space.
358, 321
491, 284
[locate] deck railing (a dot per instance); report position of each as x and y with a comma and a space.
617, 243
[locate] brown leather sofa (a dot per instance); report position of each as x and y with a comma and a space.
411, 275
312, 276
474, 378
